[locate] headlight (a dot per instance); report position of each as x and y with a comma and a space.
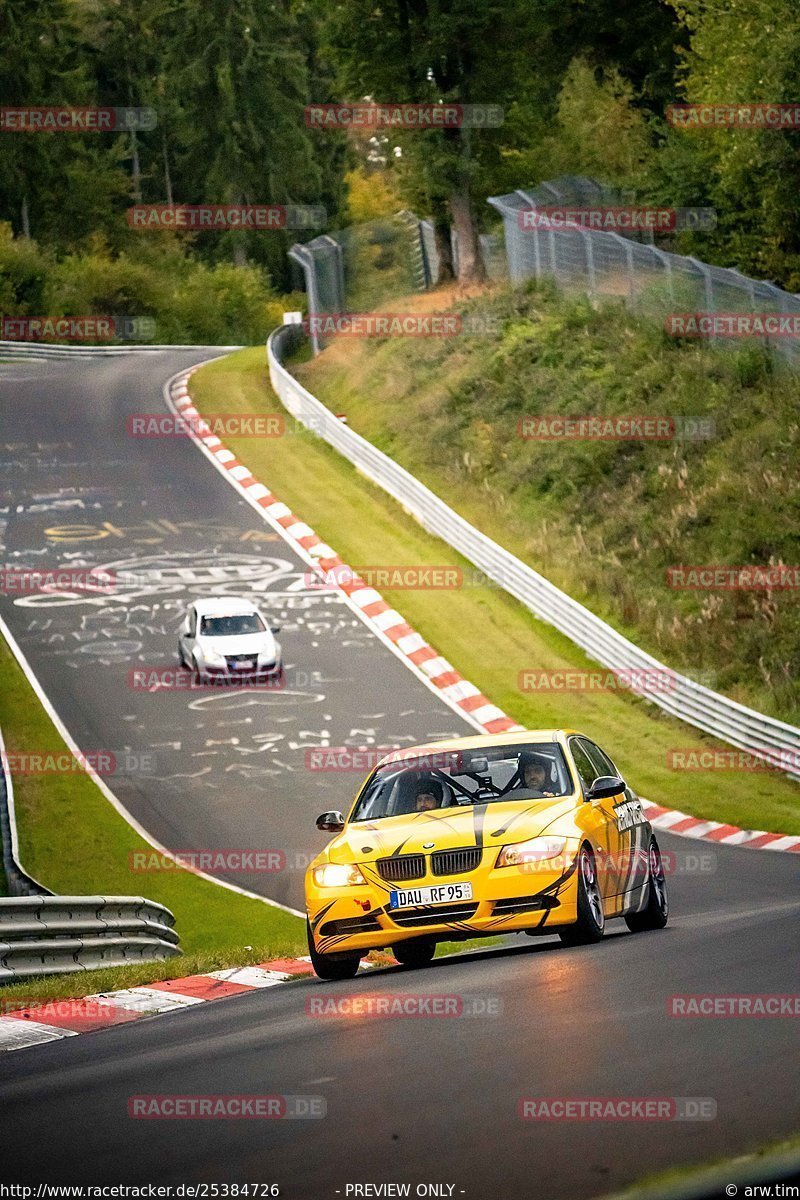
536, 850
338, 875
212, 656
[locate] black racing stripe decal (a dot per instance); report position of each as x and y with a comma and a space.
316, 920
373, 878
516, 817
633, 850
626, 847
328, 943
557, 884
430, 815
441, 820
478, 820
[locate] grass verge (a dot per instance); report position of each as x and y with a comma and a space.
486, 634
77, 844
604, 519
768, 1163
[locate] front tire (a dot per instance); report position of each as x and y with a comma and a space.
416, 952
655, 914
326, 966
591, 921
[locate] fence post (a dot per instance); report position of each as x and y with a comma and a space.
589, 248
665, 260
537, 259
708, 287
300, 255
339, 260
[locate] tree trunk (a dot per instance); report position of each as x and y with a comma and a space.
167, 176
26, 218
444, 248
136, 169
470, 264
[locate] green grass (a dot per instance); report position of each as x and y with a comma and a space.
77, 844
710, 1177
367, 527
109, 979
603, 520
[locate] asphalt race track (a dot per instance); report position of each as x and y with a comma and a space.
435, 1099
417, 1100
215, 769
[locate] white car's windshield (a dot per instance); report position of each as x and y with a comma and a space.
232, 626
464, 777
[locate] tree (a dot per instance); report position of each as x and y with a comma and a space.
742, 51
58, 186
444, 51
239, 77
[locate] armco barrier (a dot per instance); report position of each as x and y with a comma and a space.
54, 935
43, 350
43, 934
742, 727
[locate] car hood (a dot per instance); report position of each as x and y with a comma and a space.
240, 643
476, 825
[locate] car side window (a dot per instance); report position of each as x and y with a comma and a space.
192, 622
583, 764
599, 759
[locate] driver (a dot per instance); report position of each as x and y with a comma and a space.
534, 771
429, 795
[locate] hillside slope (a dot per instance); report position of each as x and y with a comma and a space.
605, 520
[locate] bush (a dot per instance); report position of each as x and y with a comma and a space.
188, 301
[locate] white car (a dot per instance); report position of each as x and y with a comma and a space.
227, 637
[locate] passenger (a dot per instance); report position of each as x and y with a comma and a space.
429, 795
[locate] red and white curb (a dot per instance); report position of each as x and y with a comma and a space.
672, 821
410, 645
53, 1020
384, 620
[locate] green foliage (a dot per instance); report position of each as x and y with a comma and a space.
605, 519
190, 301
741, 52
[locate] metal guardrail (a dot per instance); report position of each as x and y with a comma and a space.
54, 935
760, 735
647, 278
40, 350
43, 934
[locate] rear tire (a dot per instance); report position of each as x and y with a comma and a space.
591, 921
655, 914
326, 966
416, 952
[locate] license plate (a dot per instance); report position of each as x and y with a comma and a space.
248, 665
443, 894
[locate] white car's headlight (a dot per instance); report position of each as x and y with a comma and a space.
213, 656
536, 850
338, 875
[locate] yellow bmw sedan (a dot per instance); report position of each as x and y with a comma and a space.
532, 832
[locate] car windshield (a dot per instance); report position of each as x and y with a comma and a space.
232, 625
450, 779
